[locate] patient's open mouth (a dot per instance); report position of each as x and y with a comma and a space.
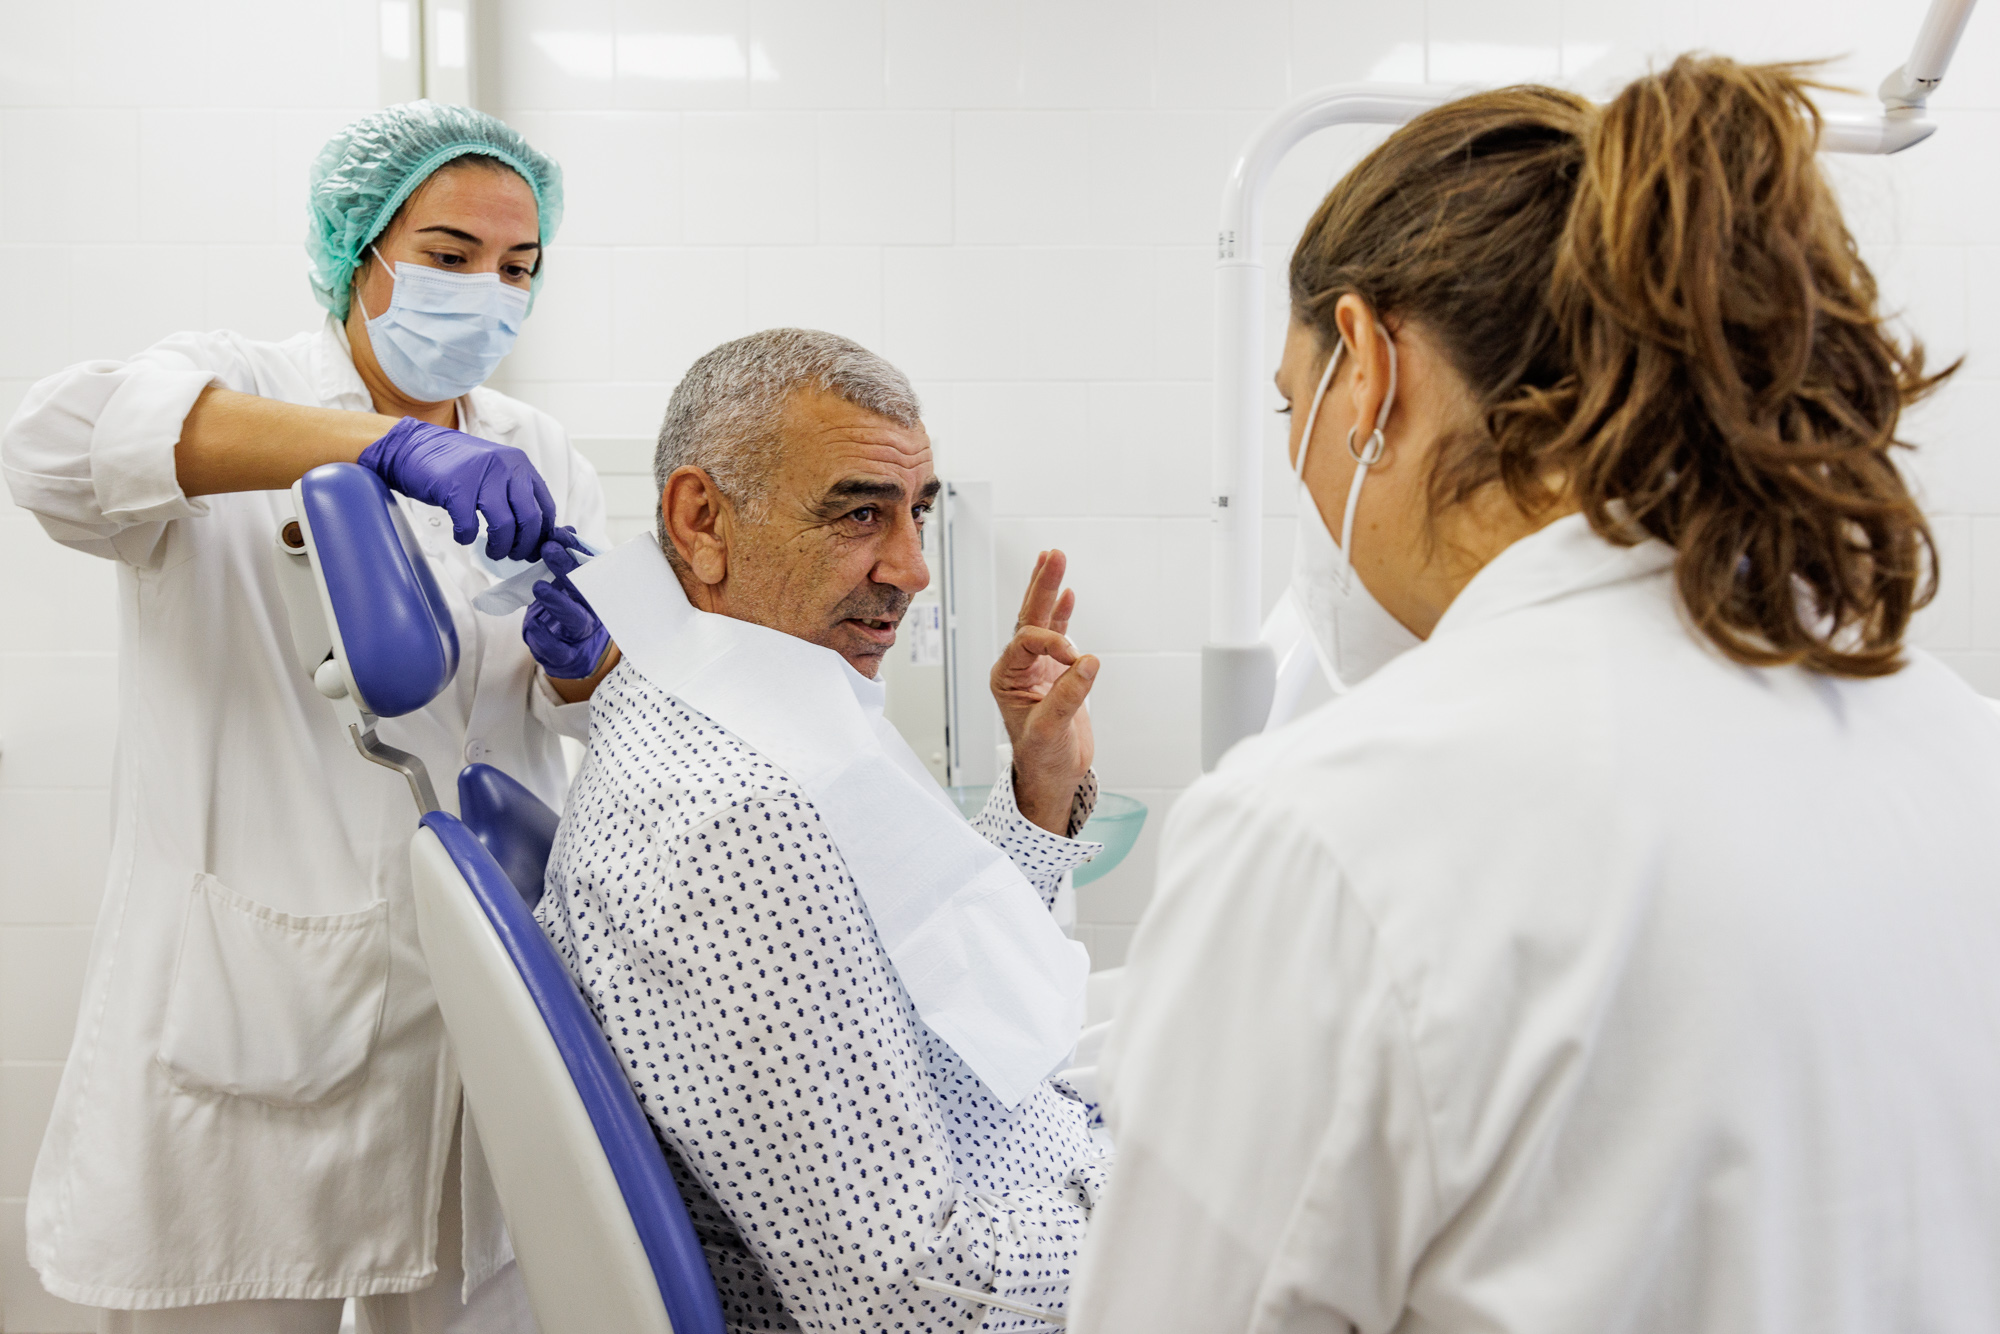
881, 631
880, 608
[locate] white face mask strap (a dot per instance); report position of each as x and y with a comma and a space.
1364, 458
1388, 399
1312, 413
387, 268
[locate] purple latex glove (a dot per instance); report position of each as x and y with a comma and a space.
561, 630
467, 477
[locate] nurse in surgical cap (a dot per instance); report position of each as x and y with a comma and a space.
259, 1117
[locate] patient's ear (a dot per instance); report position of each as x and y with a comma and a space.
697, 523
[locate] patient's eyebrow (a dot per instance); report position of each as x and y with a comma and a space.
867, 488
872, 490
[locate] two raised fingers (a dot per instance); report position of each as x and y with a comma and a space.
1047, 603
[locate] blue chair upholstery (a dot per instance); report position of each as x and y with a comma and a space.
510, 822
637, 1160
391, 623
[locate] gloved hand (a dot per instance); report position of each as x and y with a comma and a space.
561, 630
468, 477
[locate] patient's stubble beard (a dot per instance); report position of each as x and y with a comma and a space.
872, 602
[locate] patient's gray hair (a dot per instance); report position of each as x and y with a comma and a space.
724, 416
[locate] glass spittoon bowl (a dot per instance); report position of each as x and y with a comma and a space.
1115, 823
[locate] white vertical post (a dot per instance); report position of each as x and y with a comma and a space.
400, 53
448, 39
1238, 669
971, 626
1236, 546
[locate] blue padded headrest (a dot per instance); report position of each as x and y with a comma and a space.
659, 1215
391, 622
510, 822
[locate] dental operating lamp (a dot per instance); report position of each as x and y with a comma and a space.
1253, 670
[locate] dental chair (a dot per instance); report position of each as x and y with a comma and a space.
511, 823
600, 1232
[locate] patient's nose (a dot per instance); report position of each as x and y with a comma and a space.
901, 560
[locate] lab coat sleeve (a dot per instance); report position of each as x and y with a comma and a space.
1039, 855
1273, 1134
91, 450
786, 1070
554, 712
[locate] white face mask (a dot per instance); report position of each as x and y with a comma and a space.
1351, 631
444, 333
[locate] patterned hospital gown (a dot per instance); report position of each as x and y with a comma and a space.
831, 1148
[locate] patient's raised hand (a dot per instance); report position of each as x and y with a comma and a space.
1040, 683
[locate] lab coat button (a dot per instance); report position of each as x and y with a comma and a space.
475, 751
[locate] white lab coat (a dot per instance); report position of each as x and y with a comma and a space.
1567, 977
259, 1098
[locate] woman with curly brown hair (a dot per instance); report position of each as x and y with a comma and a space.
1623, 952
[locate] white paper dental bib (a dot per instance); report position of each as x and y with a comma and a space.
982, 959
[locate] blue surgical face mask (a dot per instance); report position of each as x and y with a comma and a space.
444, 333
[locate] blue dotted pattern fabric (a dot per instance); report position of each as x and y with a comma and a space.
831, 1148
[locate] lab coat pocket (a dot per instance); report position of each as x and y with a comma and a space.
270, 1006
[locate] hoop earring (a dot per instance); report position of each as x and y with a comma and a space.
1370, 453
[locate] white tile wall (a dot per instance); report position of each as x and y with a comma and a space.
639, 150
1011, 198
884, 176
752, 177
816, 53
817, 287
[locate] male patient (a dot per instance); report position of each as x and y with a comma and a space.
840, 1004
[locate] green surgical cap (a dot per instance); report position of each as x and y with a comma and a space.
365, 172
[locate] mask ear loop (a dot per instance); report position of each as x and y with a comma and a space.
1365, 458
387, 268
1312, 413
